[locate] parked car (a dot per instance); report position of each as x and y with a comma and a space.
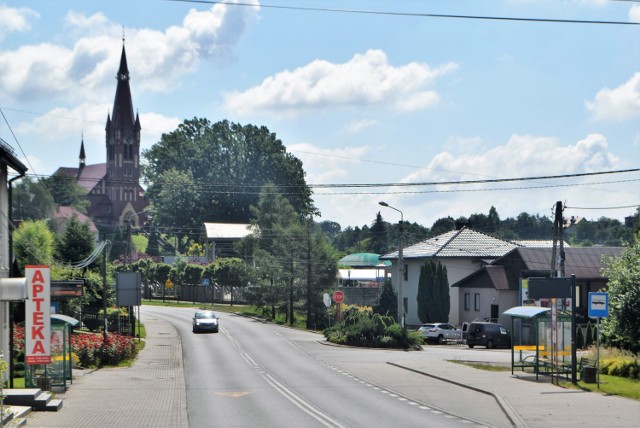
205, 321
487, 334
440, 332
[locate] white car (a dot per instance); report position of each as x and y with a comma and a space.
205, 321
440, 332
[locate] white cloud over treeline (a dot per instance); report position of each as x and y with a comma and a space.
365, 79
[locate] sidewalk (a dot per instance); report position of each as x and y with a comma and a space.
151, 393
531, 403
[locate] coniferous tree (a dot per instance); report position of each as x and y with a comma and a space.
378, 236
76, 243
387, 303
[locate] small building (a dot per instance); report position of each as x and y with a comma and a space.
462, 251
487, 292
219, 238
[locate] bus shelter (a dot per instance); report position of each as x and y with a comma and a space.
45, 376
537, 344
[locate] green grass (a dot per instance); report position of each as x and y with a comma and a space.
483, 366
139, 242
610, 385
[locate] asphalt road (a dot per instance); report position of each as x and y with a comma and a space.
260, 374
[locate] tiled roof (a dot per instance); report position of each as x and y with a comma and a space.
66, 213
91, 175
584, 263
465, 243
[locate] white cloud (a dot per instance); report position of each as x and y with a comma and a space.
634, 13
360, 125
15, 19
521, 156
157, 60
621, 103
365, 79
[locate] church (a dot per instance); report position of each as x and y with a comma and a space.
113, 188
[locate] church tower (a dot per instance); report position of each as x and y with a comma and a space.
123, 154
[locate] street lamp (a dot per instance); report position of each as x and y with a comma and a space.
400, 267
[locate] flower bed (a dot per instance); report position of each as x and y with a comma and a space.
90, 348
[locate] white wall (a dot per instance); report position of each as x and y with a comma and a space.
457, 269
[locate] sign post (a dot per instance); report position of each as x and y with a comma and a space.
598, 308
338, 297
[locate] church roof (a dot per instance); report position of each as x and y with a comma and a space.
122, 114
91, 175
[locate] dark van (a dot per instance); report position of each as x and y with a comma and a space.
488, 334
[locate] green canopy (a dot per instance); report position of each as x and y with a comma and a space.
362, 260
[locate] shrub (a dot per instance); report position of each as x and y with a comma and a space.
361, 327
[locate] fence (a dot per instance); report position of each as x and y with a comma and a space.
93, 319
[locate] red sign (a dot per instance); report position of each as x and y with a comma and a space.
338, 296
38, 316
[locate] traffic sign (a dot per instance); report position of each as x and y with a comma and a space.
598, 305
338, 296
326, 299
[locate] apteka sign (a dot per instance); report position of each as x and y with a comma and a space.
38, 315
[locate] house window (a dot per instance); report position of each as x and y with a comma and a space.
476, 301
467, 301
406, 272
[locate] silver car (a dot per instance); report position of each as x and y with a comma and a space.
205, 321
440, 332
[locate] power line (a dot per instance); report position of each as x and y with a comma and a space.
410, 14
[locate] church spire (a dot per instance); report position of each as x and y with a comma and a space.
83, 158
122, 113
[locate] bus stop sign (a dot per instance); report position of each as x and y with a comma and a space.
598, 305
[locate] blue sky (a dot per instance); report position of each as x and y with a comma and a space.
360, 98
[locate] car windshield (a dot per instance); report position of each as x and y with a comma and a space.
205, 315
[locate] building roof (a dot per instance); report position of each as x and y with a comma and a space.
463, 243
66, 213
504, 273
227, 230
91, 175
362, 260
9, 157
489, 276
536, 243
584, 263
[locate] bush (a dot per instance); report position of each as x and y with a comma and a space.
361, 327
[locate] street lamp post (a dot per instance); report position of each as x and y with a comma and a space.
400, 267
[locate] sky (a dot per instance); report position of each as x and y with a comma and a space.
375, 93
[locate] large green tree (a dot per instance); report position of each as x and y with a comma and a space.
278, 249
66, 192
223, 167
33, 244
387, 302
622, 327
31, 200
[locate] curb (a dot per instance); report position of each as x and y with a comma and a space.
508, 411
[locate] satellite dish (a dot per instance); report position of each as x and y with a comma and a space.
327, 300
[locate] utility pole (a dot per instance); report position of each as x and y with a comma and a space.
104, 290
557, 235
